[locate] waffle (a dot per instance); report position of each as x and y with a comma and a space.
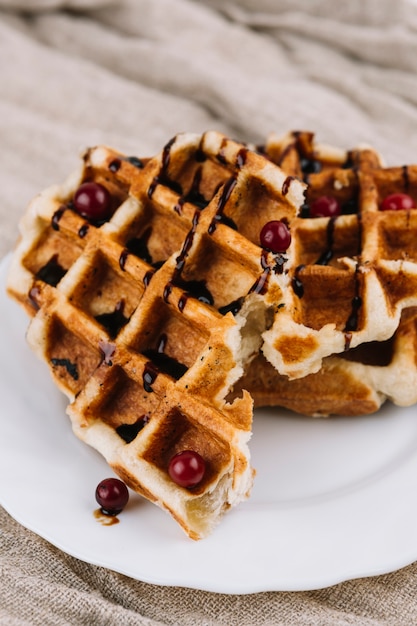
356, 382
352, 275
145, 336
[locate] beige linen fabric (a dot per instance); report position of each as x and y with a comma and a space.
132, 73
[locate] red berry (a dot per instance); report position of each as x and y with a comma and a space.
93, 201
325, 206
275, 236
397, 201
187, 468
112, 495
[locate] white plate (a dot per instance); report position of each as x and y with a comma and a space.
333, 499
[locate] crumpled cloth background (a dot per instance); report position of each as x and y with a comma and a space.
131, 74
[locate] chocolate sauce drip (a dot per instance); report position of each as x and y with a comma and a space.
167, 291
107, 350
166, 364
188, 242
83, 230
406, 178
280, 261
135, 161
286, 185
33, 295
162, 342
296, 283
57, 216
115, 165
194, 289
162, 177
150, 374
163, 362
52, 272
129, 432
148, 277
220, 156
224, 197
193, 196
353, 319
233, 307
261, 282
123, 258
327, 255
348, 339
241, 157
70, 367
113, 322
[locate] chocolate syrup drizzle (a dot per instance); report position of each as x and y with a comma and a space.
286, 185
162, 178
224, 197
57, 216
193, 196
296, 283
160, 362
150, 373
83, 230
353, 319
261, 282
129, 432
327, 255
70, 367
107, 350
113, 322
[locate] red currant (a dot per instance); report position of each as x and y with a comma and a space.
275, 236
93, 201
112, 495
325, 206
187, 468
397, 201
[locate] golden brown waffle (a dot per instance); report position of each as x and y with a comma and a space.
356, 382
351, 275
134, 316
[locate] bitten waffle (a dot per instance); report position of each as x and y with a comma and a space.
134, 314
353, 383
351, 273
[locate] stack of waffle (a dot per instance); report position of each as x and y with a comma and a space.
163, 322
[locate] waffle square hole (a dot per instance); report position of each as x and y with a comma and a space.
397, 180
328, 296
216, 275
73, 360
178, 432
53, 257
251, 204
144, 239
170, 340
398, 235
325, 242
122, 403
108, 295
342, 185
